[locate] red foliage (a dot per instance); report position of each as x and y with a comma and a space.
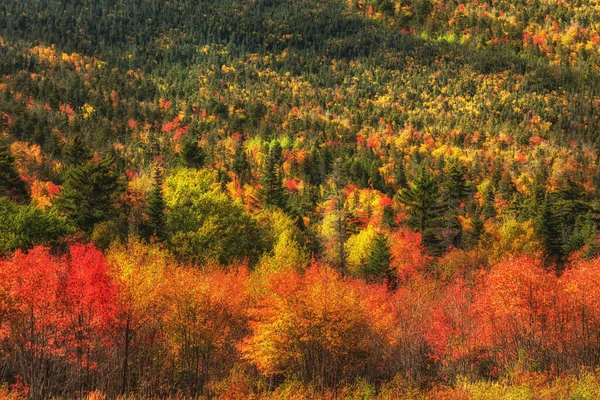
516, 308
409, 256
57, 309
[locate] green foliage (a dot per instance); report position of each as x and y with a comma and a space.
76, 153
270, 179
154, 225
192, 154
425, 206
204, 224
378, 264
25, 226
91, 193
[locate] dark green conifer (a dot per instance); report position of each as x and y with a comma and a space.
378, 264
76, 153
270, 180
549, 230
11, 184
155, 226
241, 166
91, 193
425, 207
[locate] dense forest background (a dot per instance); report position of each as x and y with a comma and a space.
274, 198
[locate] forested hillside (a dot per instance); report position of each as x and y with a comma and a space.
300, 199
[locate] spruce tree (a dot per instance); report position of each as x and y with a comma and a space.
456, 191
192, 154
155, 226
425, 207
388, 219
90, 193
11, 184
477, 229
549, 231
270, 180
401, 181
241, 166
378, 264
76, 153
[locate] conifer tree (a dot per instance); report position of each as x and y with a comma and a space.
241, 166
401, 181
192, 154
425, 207
548, 230
154, 226
388, 219
272, 189
11, 184
456, 192
90, 193
477, 229
75, 153
378, 263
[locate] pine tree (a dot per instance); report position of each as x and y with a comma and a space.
456, 192
477, 229
76, 153
378, 264
155, 226
489, 209
90, 193
241, 166
388, 218
11, 184
272, 189
425, 207
549, 231
401, 181
192, 154
340, 211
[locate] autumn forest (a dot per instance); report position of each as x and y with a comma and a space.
300, 199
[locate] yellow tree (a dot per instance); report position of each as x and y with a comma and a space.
139, 271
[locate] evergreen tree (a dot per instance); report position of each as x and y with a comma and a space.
549, 230
489, 208
425, 207
456, 192
11, 184
192, 154
378, 263
270, 180
388, 219
477, 229
401, 181
154, 226
76, 153
340, 212
241, 166
90, 193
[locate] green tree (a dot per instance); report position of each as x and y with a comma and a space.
456, 191
241, 166
378, 263
11, 184
91, 193
25, 226
192, 154
154, 226
204, 224
270, 180
549, 230
76, 153
425, 207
